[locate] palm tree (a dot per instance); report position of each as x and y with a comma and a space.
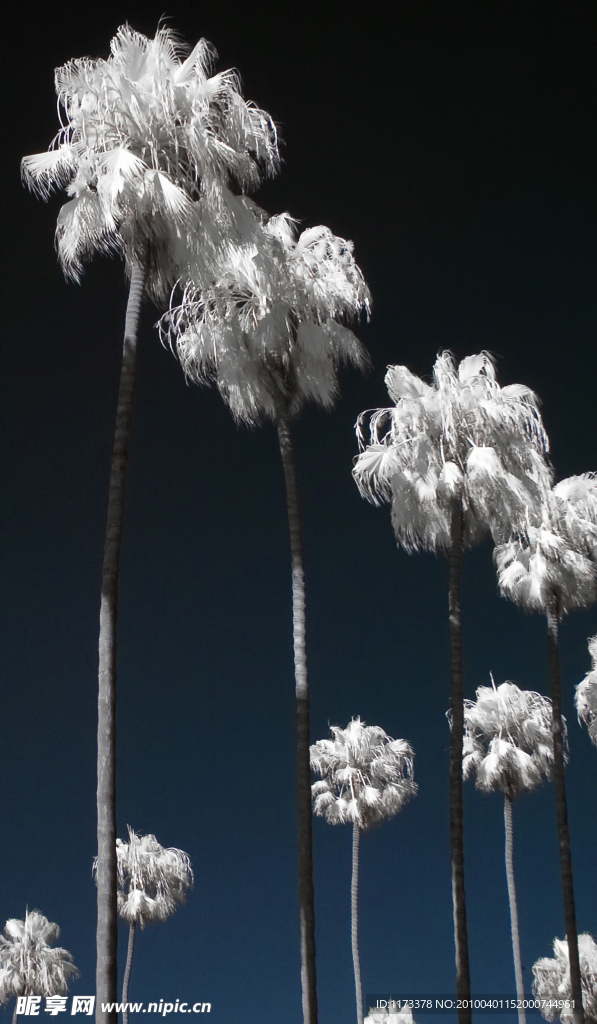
549, 569
148, 149
552, 981
367, 777
586, 694
29, 966
456, 458
391, 1016
270, 335
152, 883
508, 746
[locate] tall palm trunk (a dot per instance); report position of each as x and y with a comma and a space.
354, 920
127, 973
513, 908
463, 984
305, 841
562, 813
107, 915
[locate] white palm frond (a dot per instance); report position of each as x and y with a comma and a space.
43, 172
373, 472
85, 225
585, 697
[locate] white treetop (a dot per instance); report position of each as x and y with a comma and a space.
508, 742
28, 963
152, 881
461, 439
150, 144
552, 559
552, 980
271, 329
367, 777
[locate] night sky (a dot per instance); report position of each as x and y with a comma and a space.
454, 143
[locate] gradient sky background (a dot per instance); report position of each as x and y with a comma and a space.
454, 143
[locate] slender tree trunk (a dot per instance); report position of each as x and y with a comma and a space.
354, 920
463, 984
127, 973
562, 812
107, 915
305, 840
513, 908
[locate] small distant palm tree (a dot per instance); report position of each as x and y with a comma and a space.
390, 1016
367, 777
152, 883
457, 458
508, 746
271, 335
552, 980
586, 695
550, 568
150, 144
29, 965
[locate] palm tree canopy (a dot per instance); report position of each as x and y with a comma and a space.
271, 330
391, 1016
152, 881
508, 743
586, 694
552, 559
150, 145
367, 777
462, 438
28, 963
552, 979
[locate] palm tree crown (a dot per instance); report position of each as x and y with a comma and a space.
508, 742
550, 564
153, 881
552, 980
270, 331
148, 135
462, 438
367, 777
586, 694
28, 963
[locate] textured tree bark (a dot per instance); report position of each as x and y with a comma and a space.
354, 920
107, 914
305, 840
513, 907
127, 973
463, 984
553, 621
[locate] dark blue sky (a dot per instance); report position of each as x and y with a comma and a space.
455, 144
